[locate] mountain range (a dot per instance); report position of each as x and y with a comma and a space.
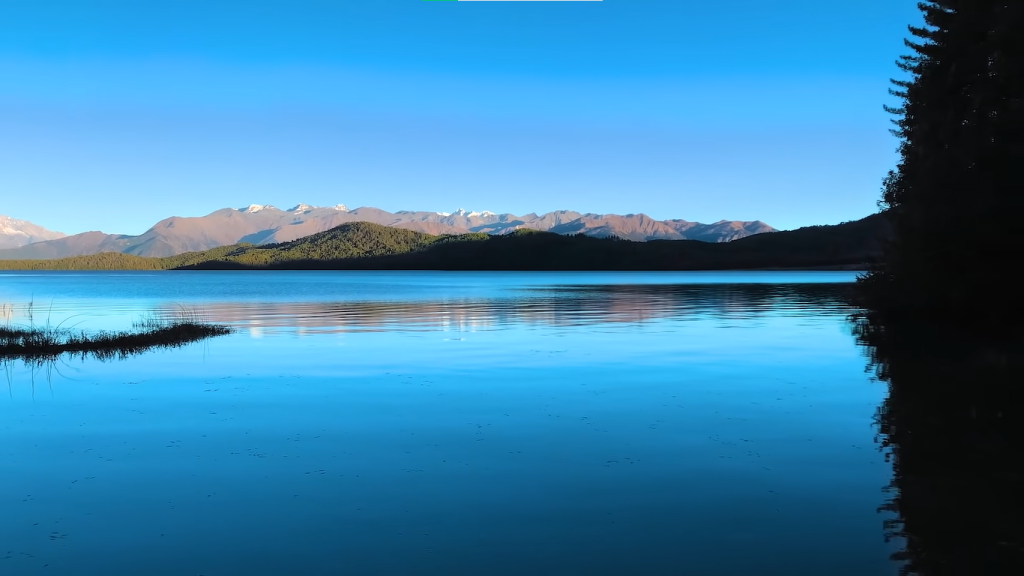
262, 224
366, 246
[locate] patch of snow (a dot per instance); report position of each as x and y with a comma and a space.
10, 230
253, 208
443, 213
13, 227
461, 212
298, 208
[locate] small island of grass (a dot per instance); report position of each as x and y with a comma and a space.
44, 343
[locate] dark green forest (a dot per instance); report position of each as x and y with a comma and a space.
362, 245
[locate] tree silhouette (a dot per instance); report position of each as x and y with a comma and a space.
956, 195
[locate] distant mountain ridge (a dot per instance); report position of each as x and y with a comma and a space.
366, 246
264, 224
17, 233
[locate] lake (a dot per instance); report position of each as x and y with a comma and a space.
718, 423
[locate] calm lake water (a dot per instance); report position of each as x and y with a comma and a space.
448, 423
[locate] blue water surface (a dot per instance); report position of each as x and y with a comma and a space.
714, 423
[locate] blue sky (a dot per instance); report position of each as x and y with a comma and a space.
117, 113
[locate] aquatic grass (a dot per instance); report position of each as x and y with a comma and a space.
39, 344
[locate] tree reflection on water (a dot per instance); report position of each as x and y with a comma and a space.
952, 427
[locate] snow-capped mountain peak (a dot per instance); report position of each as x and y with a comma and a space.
297, 209
254, 208
464, 213
15, 233
11, 226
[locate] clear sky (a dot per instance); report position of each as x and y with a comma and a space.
117, 113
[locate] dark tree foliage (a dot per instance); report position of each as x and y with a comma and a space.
942, 304
956, 196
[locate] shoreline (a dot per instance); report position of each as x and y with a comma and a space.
824, 268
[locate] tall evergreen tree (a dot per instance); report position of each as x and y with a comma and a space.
954, 199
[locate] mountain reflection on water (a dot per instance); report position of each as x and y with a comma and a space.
568, 305
953, 428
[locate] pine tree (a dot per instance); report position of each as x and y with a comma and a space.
955, 196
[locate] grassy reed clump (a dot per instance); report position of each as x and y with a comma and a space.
42, 343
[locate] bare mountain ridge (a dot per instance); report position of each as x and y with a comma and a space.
16, 233
261, 224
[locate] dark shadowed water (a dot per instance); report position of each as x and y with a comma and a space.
448, 423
